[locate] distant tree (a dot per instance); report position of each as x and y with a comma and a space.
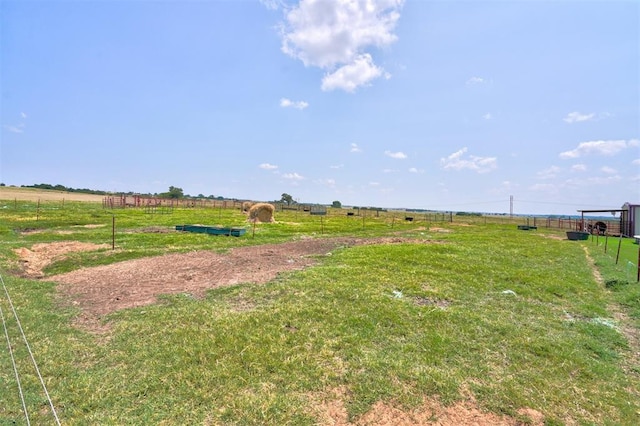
286, 198
2, 184
337, 204
174, 192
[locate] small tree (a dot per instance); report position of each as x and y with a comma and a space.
286, 198
174, 192
337, 205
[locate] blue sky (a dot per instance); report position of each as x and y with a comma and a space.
444, 105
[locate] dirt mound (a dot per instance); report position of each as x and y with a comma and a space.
40, 255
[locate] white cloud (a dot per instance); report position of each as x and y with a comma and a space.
335, 36
636, 162
545, 187
355, 148
397, 155
475, 80
608, 170
14, 129
374, 183
293, 176
337, 166
594, 180
610, 147
579, 168
273, 4
349, 77
472, 162
19, 128
389, 171
549, 173
287, 103
331, 183
576, 117
267, 166
487, 116
415, 170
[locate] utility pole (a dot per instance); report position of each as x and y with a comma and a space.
511, 206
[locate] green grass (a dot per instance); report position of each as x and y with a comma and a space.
514, 317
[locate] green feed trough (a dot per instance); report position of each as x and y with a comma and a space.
577, 235
212, 230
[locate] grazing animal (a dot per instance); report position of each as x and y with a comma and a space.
262, 212
246, 205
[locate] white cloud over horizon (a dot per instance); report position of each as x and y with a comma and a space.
456, 161
288, 103
549, 173
14, 129
577, 117
18, 128
397, 155
602, 147
267, 166
355, 148
351, 76
475, 80
336, 37
293, 176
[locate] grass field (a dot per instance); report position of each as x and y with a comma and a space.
459, 323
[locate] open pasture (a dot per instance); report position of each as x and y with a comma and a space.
336, 319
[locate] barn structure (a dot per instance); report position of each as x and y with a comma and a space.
630, 219
628, 225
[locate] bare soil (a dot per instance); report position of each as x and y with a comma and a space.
101, 290
40, 255
330, 410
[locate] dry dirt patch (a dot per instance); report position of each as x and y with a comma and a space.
40, 255
103, 289
331, 410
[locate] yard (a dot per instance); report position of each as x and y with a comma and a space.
327, 320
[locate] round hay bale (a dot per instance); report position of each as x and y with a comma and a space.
246, 205
262, 212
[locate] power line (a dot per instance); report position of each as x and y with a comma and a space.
581, 205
